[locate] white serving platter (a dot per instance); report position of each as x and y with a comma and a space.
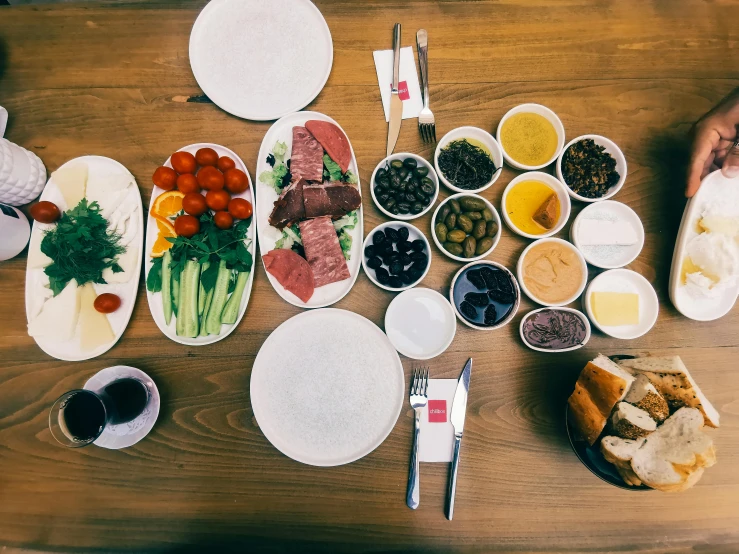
281, 131
98, 166
155, 299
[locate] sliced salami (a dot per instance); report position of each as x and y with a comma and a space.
306, 160
333, 140
292, 272
323, 252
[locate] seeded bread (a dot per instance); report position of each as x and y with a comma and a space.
630, 422
644, 395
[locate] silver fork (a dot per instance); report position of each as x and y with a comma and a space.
426, 122
418, 399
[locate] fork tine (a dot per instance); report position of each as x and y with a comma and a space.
433, 131
421, 132
413, 381
426, 383
427, 132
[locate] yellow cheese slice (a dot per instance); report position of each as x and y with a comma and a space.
58, 316
613, 309
95, 328
72, 182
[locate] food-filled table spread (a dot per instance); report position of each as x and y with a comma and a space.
257, 300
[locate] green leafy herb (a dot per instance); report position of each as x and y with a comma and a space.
154, 279
277, 177
333, 172
290, 236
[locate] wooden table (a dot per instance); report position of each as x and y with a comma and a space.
115, 80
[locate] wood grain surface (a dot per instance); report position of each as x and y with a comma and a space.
114, 80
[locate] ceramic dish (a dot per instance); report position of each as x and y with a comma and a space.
608, 256
565, 205
474, 133
413, 234
431, 175
544, 112
420, 323
522, 282
454, 291
576, 313
496, 219
625, 280
613, 150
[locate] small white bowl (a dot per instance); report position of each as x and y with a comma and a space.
550, 116
565, 206
496, 216
477, 134
419, 160
513, 311
420, 323
413, 234
613, 150
625, 280
583, 266
615, 256
586, 322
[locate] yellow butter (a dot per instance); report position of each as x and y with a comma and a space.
615, 308
95, 328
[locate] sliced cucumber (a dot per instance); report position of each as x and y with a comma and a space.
189, 288
167, 286
201, 293
213, 320
231, 311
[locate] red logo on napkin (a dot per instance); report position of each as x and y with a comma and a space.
437, 411
403, 93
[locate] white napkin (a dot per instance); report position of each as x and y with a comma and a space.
408, 87
437, 432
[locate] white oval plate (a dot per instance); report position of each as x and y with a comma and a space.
327, 387
261, 60
702, 309
326, 295
155, 299
70, 350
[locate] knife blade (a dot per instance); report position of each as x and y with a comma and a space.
459, 410
396, 104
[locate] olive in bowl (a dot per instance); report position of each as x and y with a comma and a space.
404, 186
396, 256
466, 227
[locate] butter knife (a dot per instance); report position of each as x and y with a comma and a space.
459, 410
396, 104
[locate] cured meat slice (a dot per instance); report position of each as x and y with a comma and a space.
289, 206
333, 140
334, 199
306, 159
291, 271
323, 252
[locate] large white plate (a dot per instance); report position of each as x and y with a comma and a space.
155, 299
282, 130
327, 387
704, 309
70, 350
261, 59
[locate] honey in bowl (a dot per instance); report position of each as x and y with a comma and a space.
533, 207
529, 138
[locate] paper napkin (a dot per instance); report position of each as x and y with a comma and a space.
437, 432
408, 87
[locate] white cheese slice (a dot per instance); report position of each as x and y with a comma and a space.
72, 182
36, 258
58, 317
95, 328
127, 261
595, 232
107, 190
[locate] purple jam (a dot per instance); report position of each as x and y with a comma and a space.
554, 329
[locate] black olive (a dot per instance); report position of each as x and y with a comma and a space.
491, 315
404, 207
427, 181
390, 203
385, 182
382, 275
421, 171
418, 245
427, 189
386, 247
468, 310
488, 275
391, 234
421, 264
393, 257
504, 282
418, 256
370, 250
374, 262
403, 245
474, 277
394, 282
405, 259
421, 197
501, 297
412, 187
417, 208
403, 173
479, 299
394, 209
410, 163
404, 233
402, 187
396, 268
382, 172
395, 181
415, 272
406, 277
383, 197
378, 237
410, 197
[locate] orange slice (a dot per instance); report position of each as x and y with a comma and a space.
161, 245
167, 204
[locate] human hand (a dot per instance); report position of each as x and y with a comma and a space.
714, 136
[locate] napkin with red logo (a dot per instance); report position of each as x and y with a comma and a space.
437, 432
408, 88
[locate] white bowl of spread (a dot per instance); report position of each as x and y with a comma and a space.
530, 133
552, 272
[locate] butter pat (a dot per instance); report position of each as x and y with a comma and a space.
613, 309
95, 328
596, 232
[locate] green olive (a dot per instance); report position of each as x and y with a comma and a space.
396, 164
478, 231
443, 212
487, 215
456, 236
451, 221
483, 245
472, 204
464, 223
441, 232
474, 216
491, 229
453, 248
469, 245
454, 205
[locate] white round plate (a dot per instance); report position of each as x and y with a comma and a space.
612, 149
155, 299
625, 280
565, 206
328, 294
261, 60
421, 161
327, 387
124, 435
413, 234
420, 323
496, 153
36, 280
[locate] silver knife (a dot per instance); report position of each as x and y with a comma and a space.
459, 409
396, 104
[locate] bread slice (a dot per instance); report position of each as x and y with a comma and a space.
670, 459
673, 380
600, 386
630, 422
644, 395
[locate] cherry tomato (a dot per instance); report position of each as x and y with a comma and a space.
107, 303
225, 163
206, 156
194, 204
45, 212
186, 225
187, 183
210, 178
217, 200
184, 162
223, 220
165, 178
240, 208
236, 181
